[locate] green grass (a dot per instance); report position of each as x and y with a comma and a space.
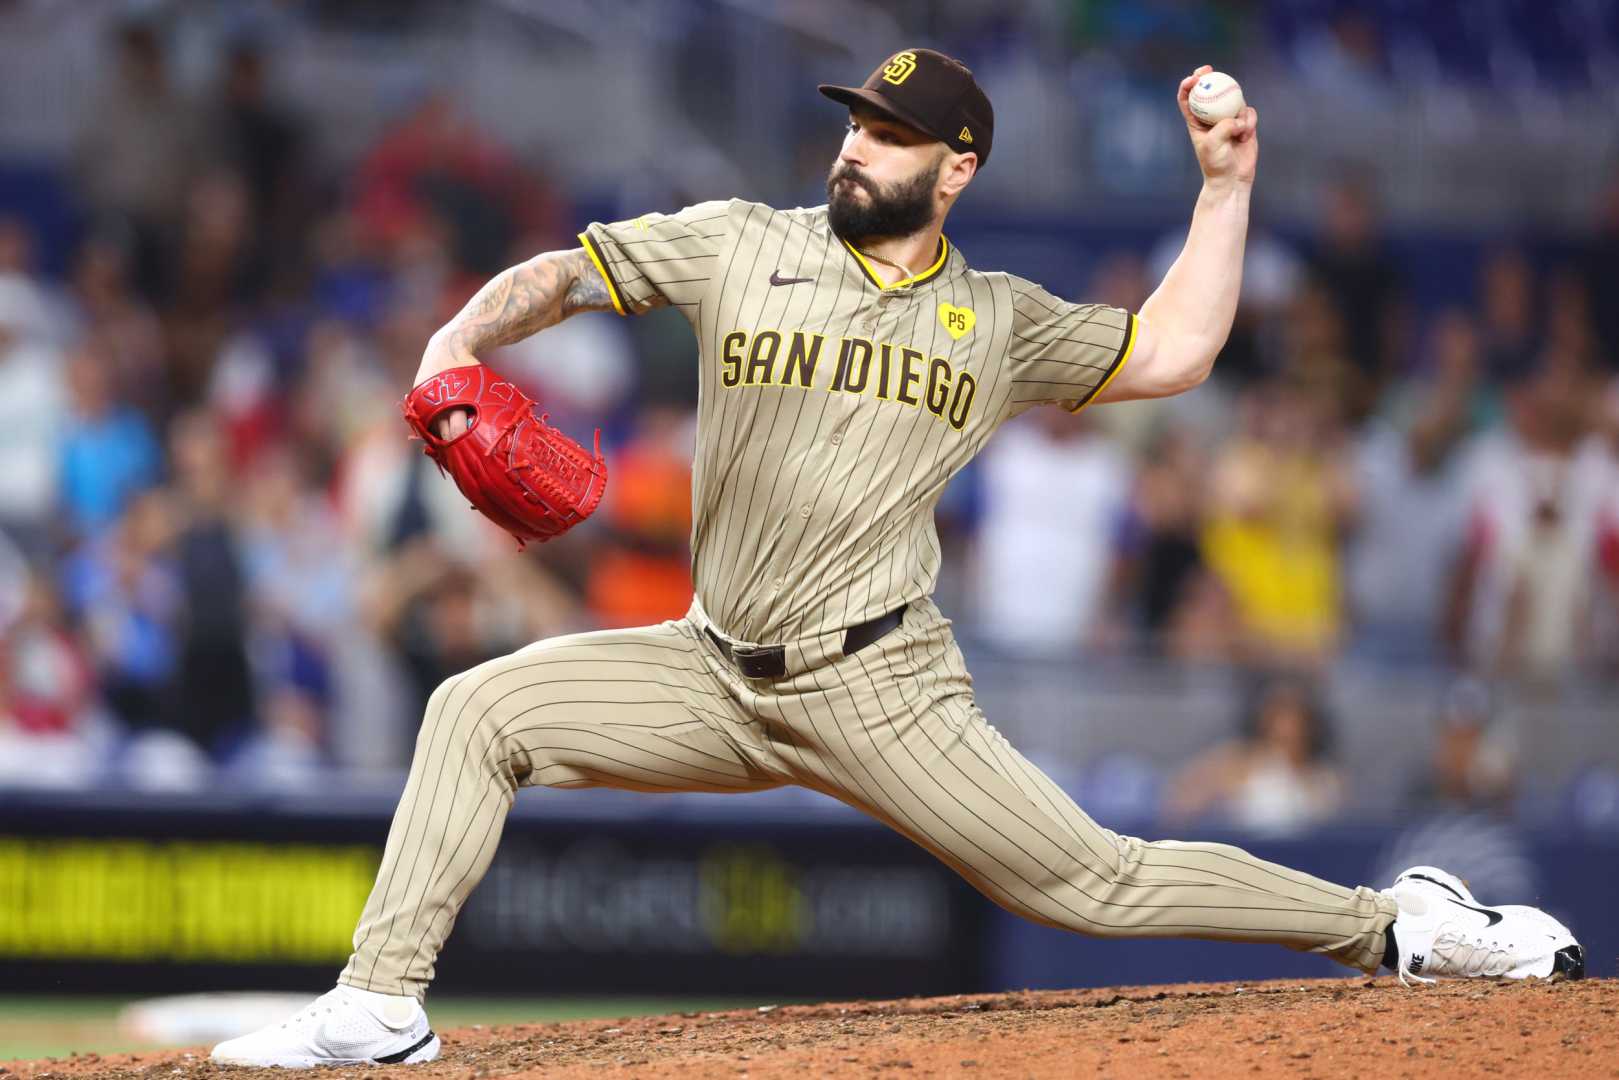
55, 1027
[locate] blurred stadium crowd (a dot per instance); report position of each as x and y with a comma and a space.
222, 562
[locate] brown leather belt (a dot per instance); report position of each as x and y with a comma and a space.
770, 661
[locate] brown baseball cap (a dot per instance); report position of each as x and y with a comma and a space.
931, 92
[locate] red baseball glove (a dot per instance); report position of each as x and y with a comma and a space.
517, 470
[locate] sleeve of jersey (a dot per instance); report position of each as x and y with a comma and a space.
659, 259
1063, 352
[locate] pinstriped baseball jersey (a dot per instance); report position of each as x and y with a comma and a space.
834, 408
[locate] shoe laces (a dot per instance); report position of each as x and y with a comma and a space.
1408, 978
1473, 953
321, 1006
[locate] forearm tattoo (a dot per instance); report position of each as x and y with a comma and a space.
527, 298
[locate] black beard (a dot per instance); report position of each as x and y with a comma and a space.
902, 209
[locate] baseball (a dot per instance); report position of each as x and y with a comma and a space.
1215, 97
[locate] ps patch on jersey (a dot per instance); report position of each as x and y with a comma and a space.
957, 320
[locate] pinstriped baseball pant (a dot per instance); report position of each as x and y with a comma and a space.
892, 730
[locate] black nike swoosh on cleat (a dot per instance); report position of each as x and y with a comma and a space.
395, 1059
777, 279
1494, 916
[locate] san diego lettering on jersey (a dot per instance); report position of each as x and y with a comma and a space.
854, 365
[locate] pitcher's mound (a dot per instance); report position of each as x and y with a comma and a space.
1326, 1029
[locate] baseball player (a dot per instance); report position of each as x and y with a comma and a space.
851, 362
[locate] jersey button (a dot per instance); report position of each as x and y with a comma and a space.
837, 438
777, 583
803, 511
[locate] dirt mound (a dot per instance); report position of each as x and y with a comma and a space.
1322, 1029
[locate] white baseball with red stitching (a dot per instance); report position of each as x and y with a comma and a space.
1215, 97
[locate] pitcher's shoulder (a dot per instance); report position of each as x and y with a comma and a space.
748, 213
999, 278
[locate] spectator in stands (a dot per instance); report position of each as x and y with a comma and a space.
1471, 767
49, 731
1507, 306
52, 322
1522, 601
1358, 275
105, 305
120, 586
1276, 777
30, 440
109, 453
211, 272
138, 149
1316, 358
266, 147
212, 677
298, 572
433, 611
1279, 494
1180, 611
1570, 335
1055, 496
1410, 509
45, 679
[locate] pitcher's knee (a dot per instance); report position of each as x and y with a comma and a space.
437, 701
469, 707
440, 705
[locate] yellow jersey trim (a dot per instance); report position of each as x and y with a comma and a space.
601, 268
915, 279
1118, 365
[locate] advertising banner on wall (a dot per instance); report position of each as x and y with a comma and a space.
212, 898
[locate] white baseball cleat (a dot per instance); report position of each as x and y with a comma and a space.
1443, 932
344, 1026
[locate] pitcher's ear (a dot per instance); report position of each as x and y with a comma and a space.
957, 172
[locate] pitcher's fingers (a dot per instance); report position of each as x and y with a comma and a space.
1185, 88
1242, 125
451, 424
1183, 102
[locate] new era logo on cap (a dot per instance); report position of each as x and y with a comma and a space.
933, 93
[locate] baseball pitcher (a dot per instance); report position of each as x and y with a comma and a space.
851, 362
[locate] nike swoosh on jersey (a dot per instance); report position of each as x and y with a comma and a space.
777, 279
